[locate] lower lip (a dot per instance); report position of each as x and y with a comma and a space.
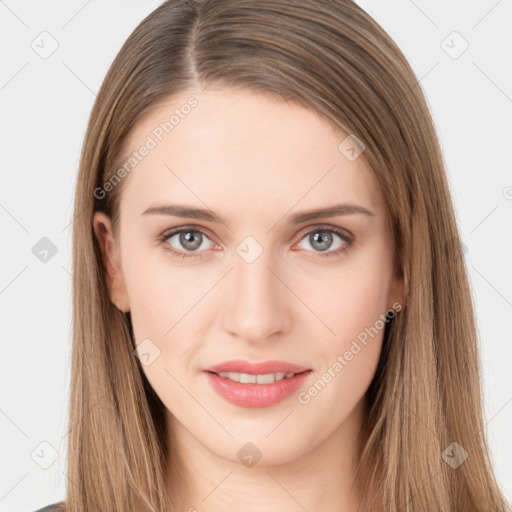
256, 395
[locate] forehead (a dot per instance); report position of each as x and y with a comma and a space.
232, 146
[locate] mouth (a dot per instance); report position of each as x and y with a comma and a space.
248, 384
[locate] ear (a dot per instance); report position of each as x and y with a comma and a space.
111, 263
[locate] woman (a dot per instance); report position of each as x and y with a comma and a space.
271, 305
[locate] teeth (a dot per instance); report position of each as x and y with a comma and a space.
247, 378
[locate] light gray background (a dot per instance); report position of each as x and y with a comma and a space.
45, 104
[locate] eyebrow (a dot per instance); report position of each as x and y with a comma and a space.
178, 210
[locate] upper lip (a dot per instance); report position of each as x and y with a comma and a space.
240, 366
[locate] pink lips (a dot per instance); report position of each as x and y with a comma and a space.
256, 395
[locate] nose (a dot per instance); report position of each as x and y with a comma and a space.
258, 304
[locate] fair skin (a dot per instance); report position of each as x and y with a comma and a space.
255, 161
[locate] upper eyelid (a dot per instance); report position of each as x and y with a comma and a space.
337, 230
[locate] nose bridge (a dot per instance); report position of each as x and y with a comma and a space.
258, 306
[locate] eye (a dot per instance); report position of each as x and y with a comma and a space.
321, 240
188, 240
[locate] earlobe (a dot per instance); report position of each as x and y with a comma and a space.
110, 261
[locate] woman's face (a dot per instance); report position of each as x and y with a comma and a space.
270, 281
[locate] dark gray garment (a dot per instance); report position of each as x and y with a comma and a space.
49, 508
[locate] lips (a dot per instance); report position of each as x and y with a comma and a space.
248, 384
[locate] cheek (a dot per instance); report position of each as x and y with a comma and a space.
161, 312
348, 359
151, 304
353, 297
160, 294
168, 306
353, 305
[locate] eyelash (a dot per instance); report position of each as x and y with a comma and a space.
348, 239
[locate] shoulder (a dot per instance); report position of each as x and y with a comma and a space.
54, 507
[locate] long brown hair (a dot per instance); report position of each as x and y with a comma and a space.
332, 57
